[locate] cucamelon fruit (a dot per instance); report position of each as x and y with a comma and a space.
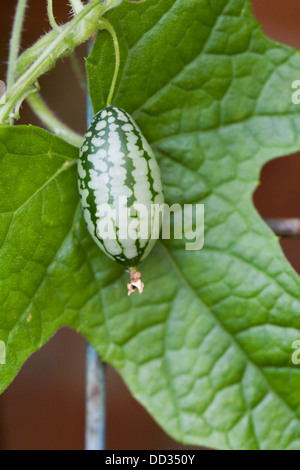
117, 167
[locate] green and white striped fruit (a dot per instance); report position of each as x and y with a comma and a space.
116, 164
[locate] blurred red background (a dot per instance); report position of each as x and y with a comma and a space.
44, 407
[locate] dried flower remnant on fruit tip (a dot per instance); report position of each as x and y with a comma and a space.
135, 282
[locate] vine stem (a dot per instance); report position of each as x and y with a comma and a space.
15, 42
15, 45
51, 17
78, 30
105, 24
51, 121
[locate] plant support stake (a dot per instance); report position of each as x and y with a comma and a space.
95, 406
95, 401
286, 228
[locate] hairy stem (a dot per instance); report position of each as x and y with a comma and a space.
78, 30
15, 42
105, 24
49, 119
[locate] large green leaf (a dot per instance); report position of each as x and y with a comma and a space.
207, 346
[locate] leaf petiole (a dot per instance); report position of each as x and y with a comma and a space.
48, 118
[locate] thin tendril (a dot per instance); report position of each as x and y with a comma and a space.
51, 17
105, 24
